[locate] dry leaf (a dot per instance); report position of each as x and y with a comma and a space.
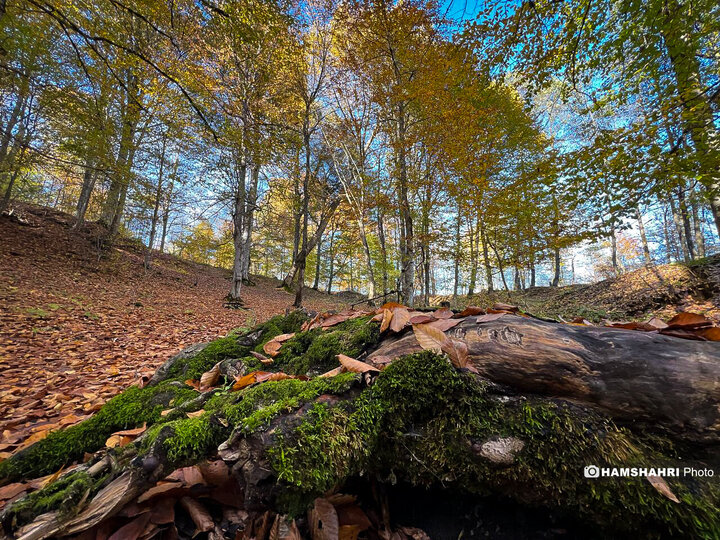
471, 310
323, 521
429, 338
387, 317
422, 319
400, 318
443, 313
490, 317
687, 321
210, 378
711, 334
391, 305
445, 324
195, 414
355, 366
499, 306
333, 372
658, 482
264, 359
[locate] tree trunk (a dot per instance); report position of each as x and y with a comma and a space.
156, 203
383, 250
697, 226
167, 201
456, 259
486, 257
120, 182
685, 215
89, 179
249, 224
316, 282
239, 205
679, 229
407, 240
643, 236
613, 250
697, 113
556, 260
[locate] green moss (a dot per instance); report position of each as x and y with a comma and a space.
316, 351
62, 495
418, 421
220, 349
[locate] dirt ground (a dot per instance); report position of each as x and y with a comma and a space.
76, 328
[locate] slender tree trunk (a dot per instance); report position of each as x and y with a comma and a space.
368, 255
643, 236
89, 179
473, 255
238, 226
156, 203
115, 202
486, 257
316, 283
687, 227
613, 250
456, 262
556, 276
500, 267
677, 220
167, 201
407, 240
697, 226
249, 224
302, 255
331, 258
383, 250
670, 247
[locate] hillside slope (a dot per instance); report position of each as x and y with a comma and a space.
77, 326
655, 291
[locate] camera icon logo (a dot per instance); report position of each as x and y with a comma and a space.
592, 471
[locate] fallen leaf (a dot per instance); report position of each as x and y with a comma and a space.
499, 306
443, 313
422, 319
387, 317
400, 318
658, 482
195, 414
210, 378
429, 338
490, 317
711, 334
333, 372
323, 521
264, 359
471, 310
332, 320
688, 320
445, 324
391, 305
355, 366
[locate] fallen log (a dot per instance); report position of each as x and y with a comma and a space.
634, 377
538, 404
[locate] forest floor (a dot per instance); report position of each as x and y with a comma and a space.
654, 291
78, 326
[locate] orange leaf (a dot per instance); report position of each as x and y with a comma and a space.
711, 334
333, 372
471, 310
445, 324
688, 320
400, 318
387, 317
430, 338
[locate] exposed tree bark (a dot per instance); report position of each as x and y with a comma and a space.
685, 215
556, 267
167, 202
239, 205
635, 377
697, 225
679, 230
383, 250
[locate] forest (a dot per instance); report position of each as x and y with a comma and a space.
418, 147
359, 269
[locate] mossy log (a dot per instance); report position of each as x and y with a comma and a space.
547, 401
634, 377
